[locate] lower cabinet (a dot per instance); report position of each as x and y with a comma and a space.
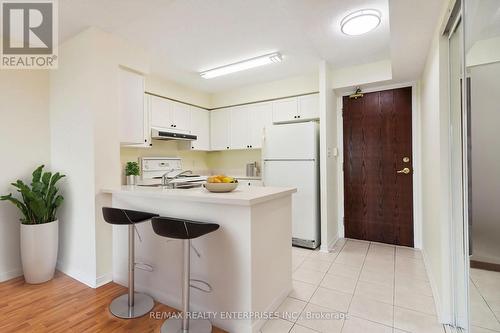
250, 182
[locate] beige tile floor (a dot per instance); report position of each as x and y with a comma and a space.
484, 301
359, 287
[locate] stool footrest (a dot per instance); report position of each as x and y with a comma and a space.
144, 267
209, 287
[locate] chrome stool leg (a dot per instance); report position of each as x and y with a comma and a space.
131, 305
185, 324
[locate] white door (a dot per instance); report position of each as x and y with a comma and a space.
291, 141
160, 112
302, 175
309, 106
200, 126
285, 110
260, 115
131, 105
240, 131
219, 129
181, 117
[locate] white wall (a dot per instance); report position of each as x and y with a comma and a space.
484, 51
328, 171
178, 92
24, 145
436, 224
85, 146
276, 89
375, 72
485, 117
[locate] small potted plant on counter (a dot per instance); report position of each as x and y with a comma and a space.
131, 172
38, 204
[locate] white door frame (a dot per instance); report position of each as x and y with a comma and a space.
416, 152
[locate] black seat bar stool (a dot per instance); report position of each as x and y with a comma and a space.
132, 304
185, 230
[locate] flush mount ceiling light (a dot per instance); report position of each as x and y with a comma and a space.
242, 65
360, 22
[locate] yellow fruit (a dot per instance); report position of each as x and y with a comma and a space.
227, 179
217, 180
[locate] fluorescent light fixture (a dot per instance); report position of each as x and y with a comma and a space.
242, 65
360, 22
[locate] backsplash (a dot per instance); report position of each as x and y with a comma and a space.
231, 162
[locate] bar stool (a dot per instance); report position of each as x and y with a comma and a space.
185, 230
132, 304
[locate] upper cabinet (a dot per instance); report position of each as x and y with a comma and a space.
200, 126
220, 130
160, 112
180, 116
240, 131
295, 109
134, 117
170, 115
260, 116
308, 106
240, 127
285, 109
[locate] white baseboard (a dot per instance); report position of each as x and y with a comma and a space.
104, 279
330, 245
76, 274
175, 302
257, 325
4, 276
444, 316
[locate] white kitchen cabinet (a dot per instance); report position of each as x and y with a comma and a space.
131, 103
170, 115
200, 126
240, 129
260, 115
220, 130
180, 116
160, 112
296, 109
308, 106
285, 110
250, 182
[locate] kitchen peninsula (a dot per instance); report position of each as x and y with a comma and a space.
247, 261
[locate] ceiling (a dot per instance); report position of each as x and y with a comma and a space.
185, 37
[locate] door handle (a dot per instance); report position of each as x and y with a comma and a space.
404, 170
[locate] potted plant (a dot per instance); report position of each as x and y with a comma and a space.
38, 204
131, 172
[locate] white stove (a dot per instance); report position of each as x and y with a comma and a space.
153, 169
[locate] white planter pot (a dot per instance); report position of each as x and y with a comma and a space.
39, 244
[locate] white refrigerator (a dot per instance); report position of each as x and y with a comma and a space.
291, 159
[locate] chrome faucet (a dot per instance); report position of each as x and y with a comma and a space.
165, 182
164, 177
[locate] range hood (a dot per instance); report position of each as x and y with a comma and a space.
163, 134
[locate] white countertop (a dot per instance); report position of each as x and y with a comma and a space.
242, 196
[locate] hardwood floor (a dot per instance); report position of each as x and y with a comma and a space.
66, 305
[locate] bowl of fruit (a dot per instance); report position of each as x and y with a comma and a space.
220, 184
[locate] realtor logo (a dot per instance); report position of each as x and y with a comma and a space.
29, 33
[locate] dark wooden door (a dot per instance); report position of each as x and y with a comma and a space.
377, 147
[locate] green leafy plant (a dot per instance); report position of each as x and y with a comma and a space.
132, 169
38, 203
